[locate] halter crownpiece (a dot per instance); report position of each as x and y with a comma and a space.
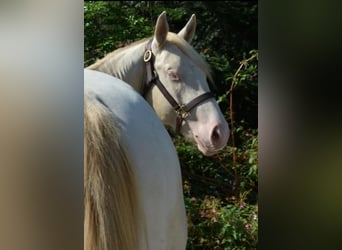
182, 110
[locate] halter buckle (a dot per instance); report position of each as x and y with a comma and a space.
155, 74
181, 112
147, 55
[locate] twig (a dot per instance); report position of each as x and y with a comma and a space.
231, 113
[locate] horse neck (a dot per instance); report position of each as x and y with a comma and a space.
126, 64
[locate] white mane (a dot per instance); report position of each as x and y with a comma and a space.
106, 63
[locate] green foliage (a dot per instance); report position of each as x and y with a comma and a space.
220, 191
216, 225
106, 28
221, 195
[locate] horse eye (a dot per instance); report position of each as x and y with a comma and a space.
173, 76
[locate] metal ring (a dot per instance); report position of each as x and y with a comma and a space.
147, 55
186, 115
181, 112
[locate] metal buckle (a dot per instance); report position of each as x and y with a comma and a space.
147, 55
155, 74
181, 112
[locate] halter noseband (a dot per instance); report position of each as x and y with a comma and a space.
182, 110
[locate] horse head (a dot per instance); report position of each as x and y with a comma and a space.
180, 74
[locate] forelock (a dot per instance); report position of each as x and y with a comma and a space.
188, 50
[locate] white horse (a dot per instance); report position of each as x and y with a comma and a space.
172, 77
133, 192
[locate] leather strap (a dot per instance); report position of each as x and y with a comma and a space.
188, 107
150, 72
185, 109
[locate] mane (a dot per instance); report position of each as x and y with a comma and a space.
101, 61
172, 38
188, 50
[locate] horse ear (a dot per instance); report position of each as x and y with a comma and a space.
189, 29
161, 29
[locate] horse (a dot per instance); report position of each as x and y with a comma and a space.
133, 195
172, 76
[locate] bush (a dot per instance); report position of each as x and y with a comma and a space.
220, 195
214, 224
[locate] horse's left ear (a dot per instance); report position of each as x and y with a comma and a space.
161, 29
189, 29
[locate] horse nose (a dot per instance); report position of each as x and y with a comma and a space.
219, 135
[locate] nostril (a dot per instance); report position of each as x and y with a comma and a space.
219, 135
215, 135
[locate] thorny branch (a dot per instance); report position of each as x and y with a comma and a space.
231, 111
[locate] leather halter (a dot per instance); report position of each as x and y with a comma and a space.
182, 110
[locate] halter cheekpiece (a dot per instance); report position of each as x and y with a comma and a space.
182, 110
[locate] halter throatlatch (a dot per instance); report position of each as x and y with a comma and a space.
182, 110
